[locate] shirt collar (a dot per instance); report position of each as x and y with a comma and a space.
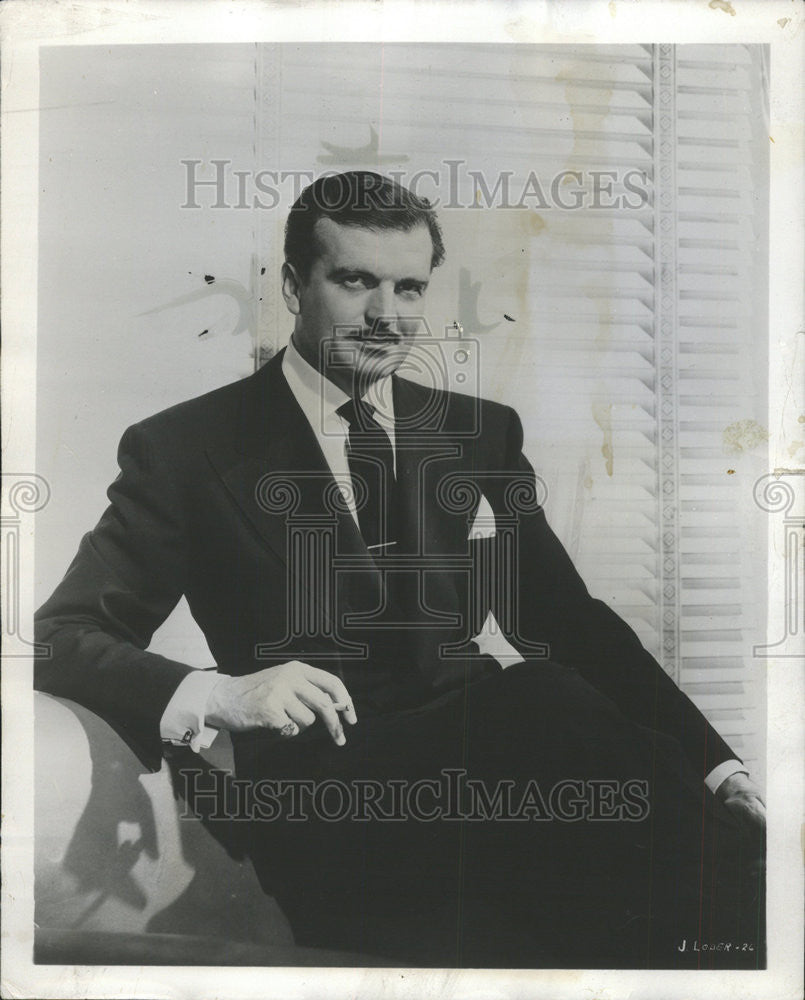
318, 396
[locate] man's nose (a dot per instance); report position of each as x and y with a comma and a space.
381, 310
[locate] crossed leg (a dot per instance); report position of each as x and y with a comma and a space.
540, 824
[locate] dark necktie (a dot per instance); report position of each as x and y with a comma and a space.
371, 467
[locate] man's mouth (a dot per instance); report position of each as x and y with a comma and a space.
378, 339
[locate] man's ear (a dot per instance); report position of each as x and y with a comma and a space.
291, 288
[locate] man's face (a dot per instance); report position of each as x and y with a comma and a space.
359, 310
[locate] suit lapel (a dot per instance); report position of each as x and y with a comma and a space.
276, 470
426, 453
278, 477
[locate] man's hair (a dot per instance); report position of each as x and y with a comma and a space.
356, 198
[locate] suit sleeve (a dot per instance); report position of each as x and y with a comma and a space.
585, 633
126, 578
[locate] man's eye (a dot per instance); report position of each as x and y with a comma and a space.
411, 291
353, 281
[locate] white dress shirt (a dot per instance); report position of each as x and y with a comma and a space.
319, 398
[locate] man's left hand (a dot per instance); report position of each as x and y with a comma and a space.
742, 797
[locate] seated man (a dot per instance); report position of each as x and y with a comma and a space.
341, 535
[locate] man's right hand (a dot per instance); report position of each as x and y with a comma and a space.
287, 699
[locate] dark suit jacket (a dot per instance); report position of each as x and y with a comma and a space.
216, 496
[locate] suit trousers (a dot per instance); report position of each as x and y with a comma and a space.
518, 820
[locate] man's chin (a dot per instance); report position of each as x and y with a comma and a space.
362, 362
378, 358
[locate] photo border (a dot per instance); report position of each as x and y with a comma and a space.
28, 26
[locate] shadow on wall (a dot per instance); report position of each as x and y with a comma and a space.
113, 852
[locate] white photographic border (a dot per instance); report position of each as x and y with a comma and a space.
25, 28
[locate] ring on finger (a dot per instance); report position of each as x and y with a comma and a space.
289, 729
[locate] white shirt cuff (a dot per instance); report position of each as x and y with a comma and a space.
723, 771
182, 722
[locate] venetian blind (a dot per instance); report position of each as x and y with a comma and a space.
721, 239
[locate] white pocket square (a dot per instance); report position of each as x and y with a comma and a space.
491, 641
483, 525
